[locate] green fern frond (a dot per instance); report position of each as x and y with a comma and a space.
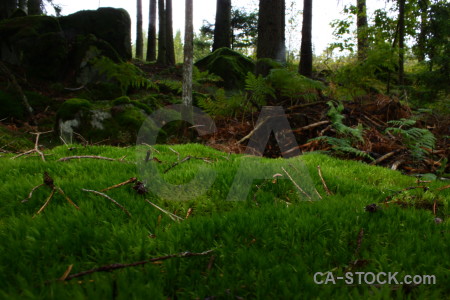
341, 145
259, 88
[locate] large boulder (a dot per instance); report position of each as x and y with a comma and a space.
109, 24
230, 65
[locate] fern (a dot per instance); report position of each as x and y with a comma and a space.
293, 85
126, 74
337, 121
416, 139
222, 105
341, 145
259, 89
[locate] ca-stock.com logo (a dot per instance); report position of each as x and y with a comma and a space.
251, 166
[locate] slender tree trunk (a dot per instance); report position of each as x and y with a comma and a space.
162, 56
222, 28
306, 54
151, 37
34, 7
401, 41
139, 34
22, 4
271, 33
188, 54
363, 42
170, 49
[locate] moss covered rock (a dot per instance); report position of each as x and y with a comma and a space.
230, 65
109, 24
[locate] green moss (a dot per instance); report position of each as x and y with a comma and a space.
11, 107
130, 118
71, 107
230, 65
13, 141
126, 100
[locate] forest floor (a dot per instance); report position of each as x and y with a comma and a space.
81, 225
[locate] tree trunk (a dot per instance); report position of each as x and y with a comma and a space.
188, 54
22, 4
306, 54
162, 56
363, 42
34, 7
139, 34
222, 28
6, 8
271, 34
151, 37
423, 4
170, 49
401, 41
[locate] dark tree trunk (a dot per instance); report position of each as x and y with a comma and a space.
306, 54
422, 39
162, 56
6, 8
139, 34
363, 42
22, 4
170, 49
34, 7
401, 41
151, 37
271, 34
222, 29
188, 62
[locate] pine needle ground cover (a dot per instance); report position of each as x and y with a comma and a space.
269, 246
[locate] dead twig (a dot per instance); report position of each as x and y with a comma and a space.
384, 157
110, 199
205, 159
310, 126
85, 156
444, 188
45, 203
36, 146
296, 185
112, 267
31, 192
178, 154
171, 215
319, 170
131, 180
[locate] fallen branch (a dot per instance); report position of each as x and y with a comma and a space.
131, 180
205, 159
110, 199
31, 192
171, 215
323, 181
112, 267
444, 188
384, 157
45, 203
397, 164
296, 185
311, 126
85, 156
36, 146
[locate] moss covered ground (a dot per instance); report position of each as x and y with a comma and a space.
267, 247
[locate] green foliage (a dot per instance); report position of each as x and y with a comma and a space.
416, 139
259, 89
348, 136
126, 100
126, 74
221, 105
11, 106
73, 106
294, 86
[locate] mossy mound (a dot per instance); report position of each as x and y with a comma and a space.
109, 24
70, 108
13, 141
36, 43
230, 65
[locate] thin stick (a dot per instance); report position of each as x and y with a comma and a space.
152, 148
384, 157
317, 192
131, 180
112, 267
36, 146
31, 192
67, 198
46, 203
298, 187
311, 126
323, 181
110, 199
444, 188
85, 156
171, 215
66, 273
174, 151
177, 163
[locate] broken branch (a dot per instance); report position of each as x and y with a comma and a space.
110, 199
